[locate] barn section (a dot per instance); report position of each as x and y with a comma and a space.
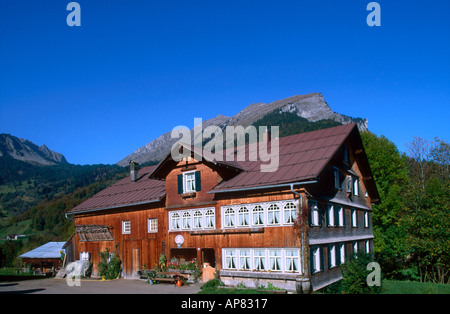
46, 258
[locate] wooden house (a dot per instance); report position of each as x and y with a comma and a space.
239, 220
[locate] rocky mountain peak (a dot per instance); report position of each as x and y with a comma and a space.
25, 150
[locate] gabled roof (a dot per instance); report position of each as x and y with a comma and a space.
48, 250
125, 193
302, 157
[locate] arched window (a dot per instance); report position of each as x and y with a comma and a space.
258, 215
209, 219
186, 220
289, 213
243, 217
198, 219
273, 214
175, 221
229, 217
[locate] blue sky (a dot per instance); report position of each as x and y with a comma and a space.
136, 69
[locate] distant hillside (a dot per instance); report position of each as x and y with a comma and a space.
27, 151
310, 111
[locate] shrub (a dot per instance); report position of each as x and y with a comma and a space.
109, 265
355, 275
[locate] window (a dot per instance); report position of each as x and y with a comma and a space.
243, 217
316, 260
289, 213
258, 215
259, 258
354, 218
244, 260
367, 245
229, 217
331, 256
355, 186
193, 219
292, 260
366, 219
262, 259
314, 215
186, 219
346, 154
273, 215
175, 221
230, 259
330, 216
342, 253
341, 216
355, 247
275, 260
337, 178
210, 219
198, 219
126, 227
152, 225
189, 182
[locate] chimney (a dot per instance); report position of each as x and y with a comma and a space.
134, 171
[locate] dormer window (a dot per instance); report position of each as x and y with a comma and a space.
189, 182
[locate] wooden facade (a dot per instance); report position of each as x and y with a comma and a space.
247, 234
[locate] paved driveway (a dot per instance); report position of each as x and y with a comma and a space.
121, 286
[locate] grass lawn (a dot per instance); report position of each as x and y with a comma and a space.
414, 287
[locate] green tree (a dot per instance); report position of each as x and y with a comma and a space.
390, 170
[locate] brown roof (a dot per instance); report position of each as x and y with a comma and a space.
302, 157
125, 193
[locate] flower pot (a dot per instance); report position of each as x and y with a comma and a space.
179, 283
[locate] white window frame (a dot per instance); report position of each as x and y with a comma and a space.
272, 212
330, 215
243, 216
186, 221
258, 215
245, 260
152, 225
230, 259
290, 260
315, 214
265, 214
275, 260
367, 246
354, 218
230, 218
289, 213
189, 182
355, 186
126, 226
197, 219
366, 219
250, 259
317, 252
181, 217
259, 260
341, 218
342, 253
332, 256
210, 219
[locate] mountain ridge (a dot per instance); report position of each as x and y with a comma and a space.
27, 151
311, 107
